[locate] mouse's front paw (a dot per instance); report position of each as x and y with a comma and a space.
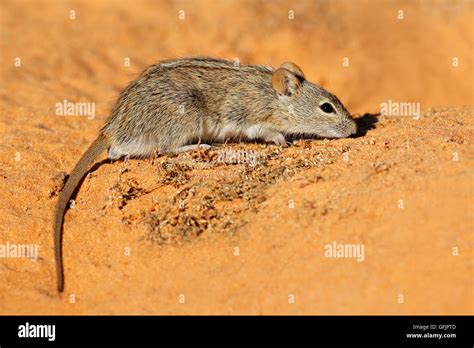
277, 139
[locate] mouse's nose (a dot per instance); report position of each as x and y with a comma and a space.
348, 127
343, 129
352, 127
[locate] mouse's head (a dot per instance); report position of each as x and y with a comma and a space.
307, 108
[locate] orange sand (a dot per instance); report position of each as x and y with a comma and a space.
290, 208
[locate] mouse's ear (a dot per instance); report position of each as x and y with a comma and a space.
295, 69
285, 82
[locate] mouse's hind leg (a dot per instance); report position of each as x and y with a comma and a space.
133, 147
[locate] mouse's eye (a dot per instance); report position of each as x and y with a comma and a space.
327, 108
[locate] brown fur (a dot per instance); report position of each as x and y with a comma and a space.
176, 103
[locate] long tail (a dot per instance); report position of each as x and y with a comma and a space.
81, 168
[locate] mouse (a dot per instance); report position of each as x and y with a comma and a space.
184, 104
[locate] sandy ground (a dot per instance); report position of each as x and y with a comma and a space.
192, 235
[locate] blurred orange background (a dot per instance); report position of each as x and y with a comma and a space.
405, 56
404, 51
